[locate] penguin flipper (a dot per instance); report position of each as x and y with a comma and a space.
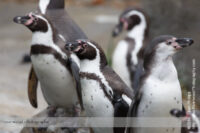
32, 88
75, 72
118, 84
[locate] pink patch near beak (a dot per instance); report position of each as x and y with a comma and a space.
176, 46
30, 21
125, 23
77, 49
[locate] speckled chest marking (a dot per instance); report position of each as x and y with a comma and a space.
161, 93
96, 92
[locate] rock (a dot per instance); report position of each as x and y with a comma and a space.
53, 123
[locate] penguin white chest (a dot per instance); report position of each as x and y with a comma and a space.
96, 104
158, 99
119, 63
95, 101
56, 81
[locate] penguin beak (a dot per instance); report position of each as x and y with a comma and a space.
21, 19
25, 20
123, 24
184, 42
117, 30
73, 46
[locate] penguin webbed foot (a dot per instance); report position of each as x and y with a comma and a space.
51, 111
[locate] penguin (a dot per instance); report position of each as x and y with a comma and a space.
104, 93
126, 55
187, 115
55, 68
67, 30
159, 90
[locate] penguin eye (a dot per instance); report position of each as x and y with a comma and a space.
169, 42
35, 19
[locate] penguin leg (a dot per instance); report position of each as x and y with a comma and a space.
32, 88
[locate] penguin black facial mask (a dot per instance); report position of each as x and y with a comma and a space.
82, 49
33, 22
179, 43
127, 23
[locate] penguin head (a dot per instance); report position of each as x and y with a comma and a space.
87, 50
167, 45
35, 22
130, 19
84, 49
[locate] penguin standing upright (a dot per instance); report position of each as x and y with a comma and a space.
160, 91
67, 30
127, 53
104, 93
53, 65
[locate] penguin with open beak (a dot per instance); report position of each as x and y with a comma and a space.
104, 93
160, 90
56, 68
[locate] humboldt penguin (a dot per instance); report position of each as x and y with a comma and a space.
126, 55
67, 30
54, 67
159, 90
104, 93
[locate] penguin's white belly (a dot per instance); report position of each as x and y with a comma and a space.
119, 63
96, 104
158, 99
56, 81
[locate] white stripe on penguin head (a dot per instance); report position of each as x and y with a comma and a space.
43, 4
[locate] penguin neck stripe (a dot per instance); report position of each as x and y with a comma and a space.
98, 79
41, 49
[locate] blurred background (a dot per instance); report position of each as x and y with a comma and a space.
97, 18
